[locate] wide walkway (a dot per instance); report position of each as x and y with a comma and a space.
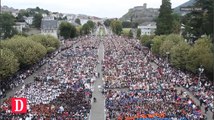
98, 107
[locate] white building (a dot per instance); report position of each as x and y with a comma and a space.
49, 27
29, 20
148, 28
19, 26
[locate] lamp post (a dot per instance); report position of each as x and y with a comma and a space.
201, 70
167, 62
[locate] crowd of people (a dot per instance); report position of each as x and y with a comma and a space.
137, 84
63, 89
139, 88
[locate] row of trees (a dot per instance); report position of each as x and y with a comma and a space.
20, 52
180, 53
196, 23
67, 30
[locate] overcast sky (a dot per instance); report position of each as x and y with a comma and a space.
99, 8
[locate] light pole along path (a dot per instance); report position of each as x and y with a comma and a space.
98, 108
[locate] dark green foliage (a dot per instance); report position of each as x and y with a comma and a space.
37, 19
138, 33
198, 23
116, 27
130, 34
85, 29
67, 30
165, 19
78, 21
107, 22
6, 26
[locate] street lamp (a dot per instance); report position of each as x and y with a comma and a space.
167, 54
167, 62
201, 70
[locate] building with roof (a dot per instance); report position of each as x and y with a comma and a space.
148, 28
49, 27
19, 26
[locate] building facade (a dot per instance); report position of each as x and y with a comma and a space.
148, 28
49, 27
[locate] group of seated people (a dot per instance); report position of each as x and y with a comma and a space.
62, 90
202, 88
137, 89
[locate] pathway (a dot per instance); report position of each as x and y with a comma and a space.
98, 107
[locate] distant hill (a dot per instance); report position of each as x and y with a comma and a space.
141, 14
186, 4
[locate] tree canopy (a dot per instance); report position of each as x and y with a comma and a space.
49, 42
78, 21
27, 51
6, 26
198, 23
116, 27
85, 29
67, 30
165, 19
8, 63
37, 20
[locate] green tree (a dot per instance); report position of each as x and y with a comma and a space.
67, 30
8, 63
176, 24
126, 24
27, 51
165, 19
85, 29
169, 42
107, 22
116, 27
91, 25
37, 19
138, 33
198, 23
157, 42
6, 26
147, 40
201, 54
179, 55
49, 42
130, 34
78, 21
21, 14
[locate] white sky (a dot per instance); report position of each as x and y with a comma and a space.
99, 8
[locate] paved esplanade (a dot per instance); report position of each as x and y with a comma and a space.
98, 108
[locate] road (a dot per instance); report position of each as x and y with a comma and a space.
98, 107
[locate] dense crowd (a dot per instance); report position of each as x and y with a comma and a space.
139, 88
137, 85
62, 90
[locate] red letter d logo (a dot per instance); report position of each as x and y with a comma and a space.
19, 105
